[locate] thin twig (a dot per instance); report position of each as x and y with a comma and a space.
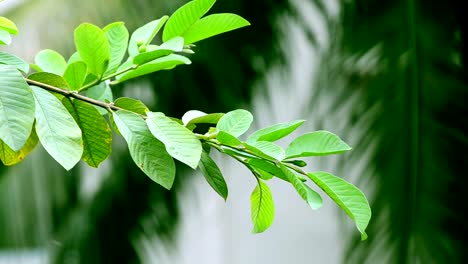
73, 94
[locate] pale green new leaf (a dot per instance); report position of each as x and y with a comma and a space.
236, 122
16, 108
148, 153
265, 148
101, 92
184, 17
213, 25
175, 44
50, 61
145, 34
57, 130
117, 36
75, 75
180, 142
10, 157
164, 63
262, 208
9, 59
346, 196
310, 196
132, 105
50, 79
213, 175
97, 136
5, 37
318, 143
8, 25
74, 58
228, 139
190, 115
274, 132
92, 44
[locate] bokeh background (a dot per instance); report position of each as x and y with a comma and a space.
389, 76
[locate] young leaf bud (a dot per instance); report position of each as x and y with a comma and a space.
140, 42
142, 48
299, 163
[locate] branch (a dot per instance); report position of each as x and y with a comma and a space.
73, 94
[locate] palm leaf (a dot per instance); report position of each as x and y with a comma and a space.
408, 78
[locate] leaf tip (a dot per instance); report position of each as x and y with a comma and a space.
363, 236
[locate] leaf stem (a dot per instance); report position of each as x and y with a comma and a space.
73, 94
241, 151
110, 76
89, 85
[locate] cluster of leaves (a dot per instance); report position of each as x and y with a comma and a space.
68, 107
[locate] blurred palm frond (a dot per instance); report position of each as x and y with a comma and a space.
405, 66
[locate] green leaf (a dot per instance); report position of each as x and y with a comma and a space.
97, 136
74, 58
264, 175
199, 117
50, 61
10, 157
92, 44
148, 153
117, 36
213, 25
236, 122
262, 208
268, 167
228, 139
265, 148
57, 130
310, 196
213, 175
50, 79
101, 92
274, 132
175, 44
346, 196
8, 25
5, 37
145, 34
180, 142
234, 152
75, 75
132, 105
9, 59
145, 57
184, 17
91, 79
16, 108
318, 143
164, 63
